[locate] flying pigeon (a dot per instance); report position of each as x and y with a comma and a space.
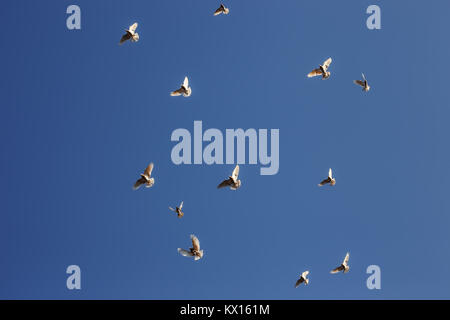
130, 34
330, 179
221, 9
178, 210
363, 83
322, 70
344, 266
194, 251
232, 181
302, 279
185, 90
145, 178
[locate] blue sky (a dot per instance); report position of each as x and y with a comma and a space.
81, 117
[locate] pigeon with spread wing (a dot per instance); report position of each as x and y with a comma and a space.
330, 179
344, 266
302, 279
232, 180
363, 83
184, 90
145, 178
194, 251
178, 210
130, 34
221, 9
322, 70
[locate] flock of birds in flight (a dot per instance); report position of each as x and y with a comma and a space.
232, 181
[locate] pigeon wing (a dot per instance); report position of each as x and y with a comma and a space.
186, 82
315, 72
299, 282
327, 63
185, 253
177, 92
148, 170
359, 82
323, 182
347, 256
336, 270
133, 27
223, 184
235, 173
195, 243
125, 37
139, 182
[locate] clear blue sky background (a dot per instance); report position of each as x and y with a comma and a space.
81, 117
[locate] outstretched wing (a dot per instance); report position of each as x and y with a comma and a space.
181, 205
218, 11
330, 174
186, 82
324, 182
177, 92
133, 27
185, 253
172, 209
299, 282
338, 269
139, 182
195, 243
315, 72
235, 173
347, 256
327, 63
305, 274
148, 170
125, 37
359, 82
223, 184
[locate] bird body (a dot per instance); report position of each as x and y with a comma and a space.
233, 182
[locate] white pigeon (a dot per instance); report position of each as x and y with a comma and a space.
363, 83
178, 210
322, 70
302, 279
194, 251
145, 178
130, 34
184, 90
344, 266
232, 180
221, 9
330, 179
